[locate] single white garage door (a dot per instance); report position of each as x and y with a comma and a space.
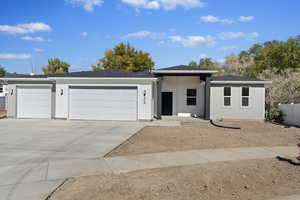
94, 103
34, 102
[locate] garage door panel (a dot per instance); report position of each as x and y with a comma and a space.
34, 102
103, 104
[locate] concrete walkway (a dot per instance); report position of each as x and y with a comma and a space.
172, 159
58, 171
49, 175
293, 197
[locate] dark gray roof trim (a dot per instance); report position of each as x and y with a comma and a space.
233, 78
13, 75
183, 67
114, 73
107, 73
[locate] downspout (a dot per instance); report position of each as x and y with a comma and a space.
205, 90
207, 99
158, 107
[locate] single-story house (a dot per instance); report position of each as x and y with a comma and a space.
120, 95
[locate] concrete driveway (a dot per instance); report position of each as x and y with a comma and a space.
36, 156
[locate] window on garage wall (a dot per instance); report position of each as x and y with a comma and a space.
227, 96
245, 96
191, 95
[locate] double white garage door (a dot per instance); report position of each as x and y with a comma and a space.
103, 103
87, 103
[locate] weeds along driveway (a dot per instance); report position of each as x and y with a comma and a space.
29, 147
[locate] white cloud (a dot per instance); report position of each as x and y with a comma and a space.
84, 34
203, 56
191, 41
153, 5
228, 48
234, 35
164, 4
36, 39
14, 56
25, 28
246, 18
88, 5
38, 49
213, 19
140, 34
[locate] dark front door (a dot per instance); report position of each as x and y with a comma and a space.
167, 103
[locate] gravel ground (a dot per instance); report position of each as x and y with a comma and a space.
197, 135
246, 180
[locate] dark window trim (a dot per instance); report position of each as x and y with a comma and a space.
248, 97
191, 100
227, 97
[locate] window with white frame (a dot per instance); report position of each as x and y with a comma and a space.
191, 97
1, 88
227, 96
245, 96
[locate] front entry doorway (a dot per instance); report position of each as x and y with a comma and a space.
167, 103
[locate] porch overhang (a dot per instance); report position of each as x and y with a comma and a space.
183, 72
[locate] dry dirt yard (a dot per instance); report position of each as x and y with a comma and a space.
247, 180
196, 135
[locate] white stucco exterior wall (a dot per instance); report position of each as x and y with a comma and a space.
255, 111
179, 85
144, 87
11, 100
61, 99
145, 103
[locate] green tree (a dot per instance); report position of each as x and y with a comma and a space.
208, 63
193, 64
2, 72
125, 57
277, 56
56, 66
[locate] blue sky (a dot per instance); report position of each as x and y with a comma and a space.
173, 31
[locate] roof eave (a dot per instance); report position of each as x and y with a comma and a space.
25, 79
102, 78
78, 78
184, 71
241, 82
